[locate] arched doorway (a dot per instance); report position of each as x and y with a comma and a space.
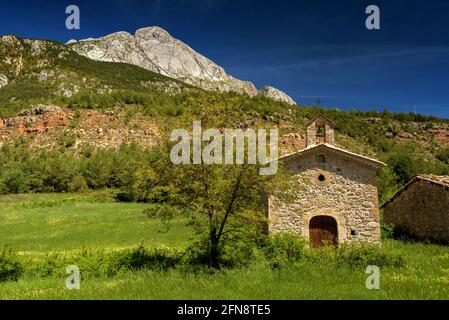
323, 231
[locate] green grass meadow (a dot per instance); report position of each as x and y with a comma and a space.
37, 227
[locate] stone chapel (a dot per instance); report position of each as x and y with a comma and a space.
336, 198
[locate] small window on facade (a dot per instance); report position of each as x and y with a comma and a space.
321, 158
353, 232
322, 178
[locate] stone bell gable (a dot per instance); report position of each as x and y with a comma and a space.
335, 193
320, 130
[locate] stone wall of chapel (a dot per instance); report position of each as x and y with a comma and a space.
348, 193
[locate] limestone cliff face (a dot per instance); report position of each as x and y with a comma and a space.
155, 49
276, 94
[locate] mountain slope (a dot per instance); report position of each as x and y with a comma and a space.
107, 104
39, 71
155, 49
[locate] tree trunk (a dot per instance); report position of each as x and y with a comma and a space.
214, 253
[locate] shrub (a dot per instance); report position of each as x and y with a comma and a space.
15, 182
197, 254
160, 194
92, 263
47, 266
388, 231
124, 196
96, 263
283, 249
364, 255
159, 258
78, 184
10, 269
443, 155
235, 252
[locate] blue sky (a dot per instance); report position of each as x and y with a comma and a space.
309, 49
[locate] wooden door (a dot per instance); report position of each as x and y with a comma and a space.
323, 232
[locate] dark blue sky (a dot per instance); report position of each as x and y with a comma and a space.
309, 49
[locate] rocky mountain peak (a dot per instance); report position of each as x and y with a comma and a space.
118, 35
153, 33
276, 94
153, 48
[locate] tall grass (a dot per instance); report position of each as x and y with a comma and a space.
102, 238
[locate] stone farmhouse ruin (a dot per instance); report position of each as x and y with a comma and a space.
421, 208
335, 198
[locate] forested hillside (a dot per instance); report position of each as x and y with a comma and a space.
77, 148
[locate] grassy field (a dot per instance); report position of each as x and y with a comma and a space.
60, 222
39, 226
